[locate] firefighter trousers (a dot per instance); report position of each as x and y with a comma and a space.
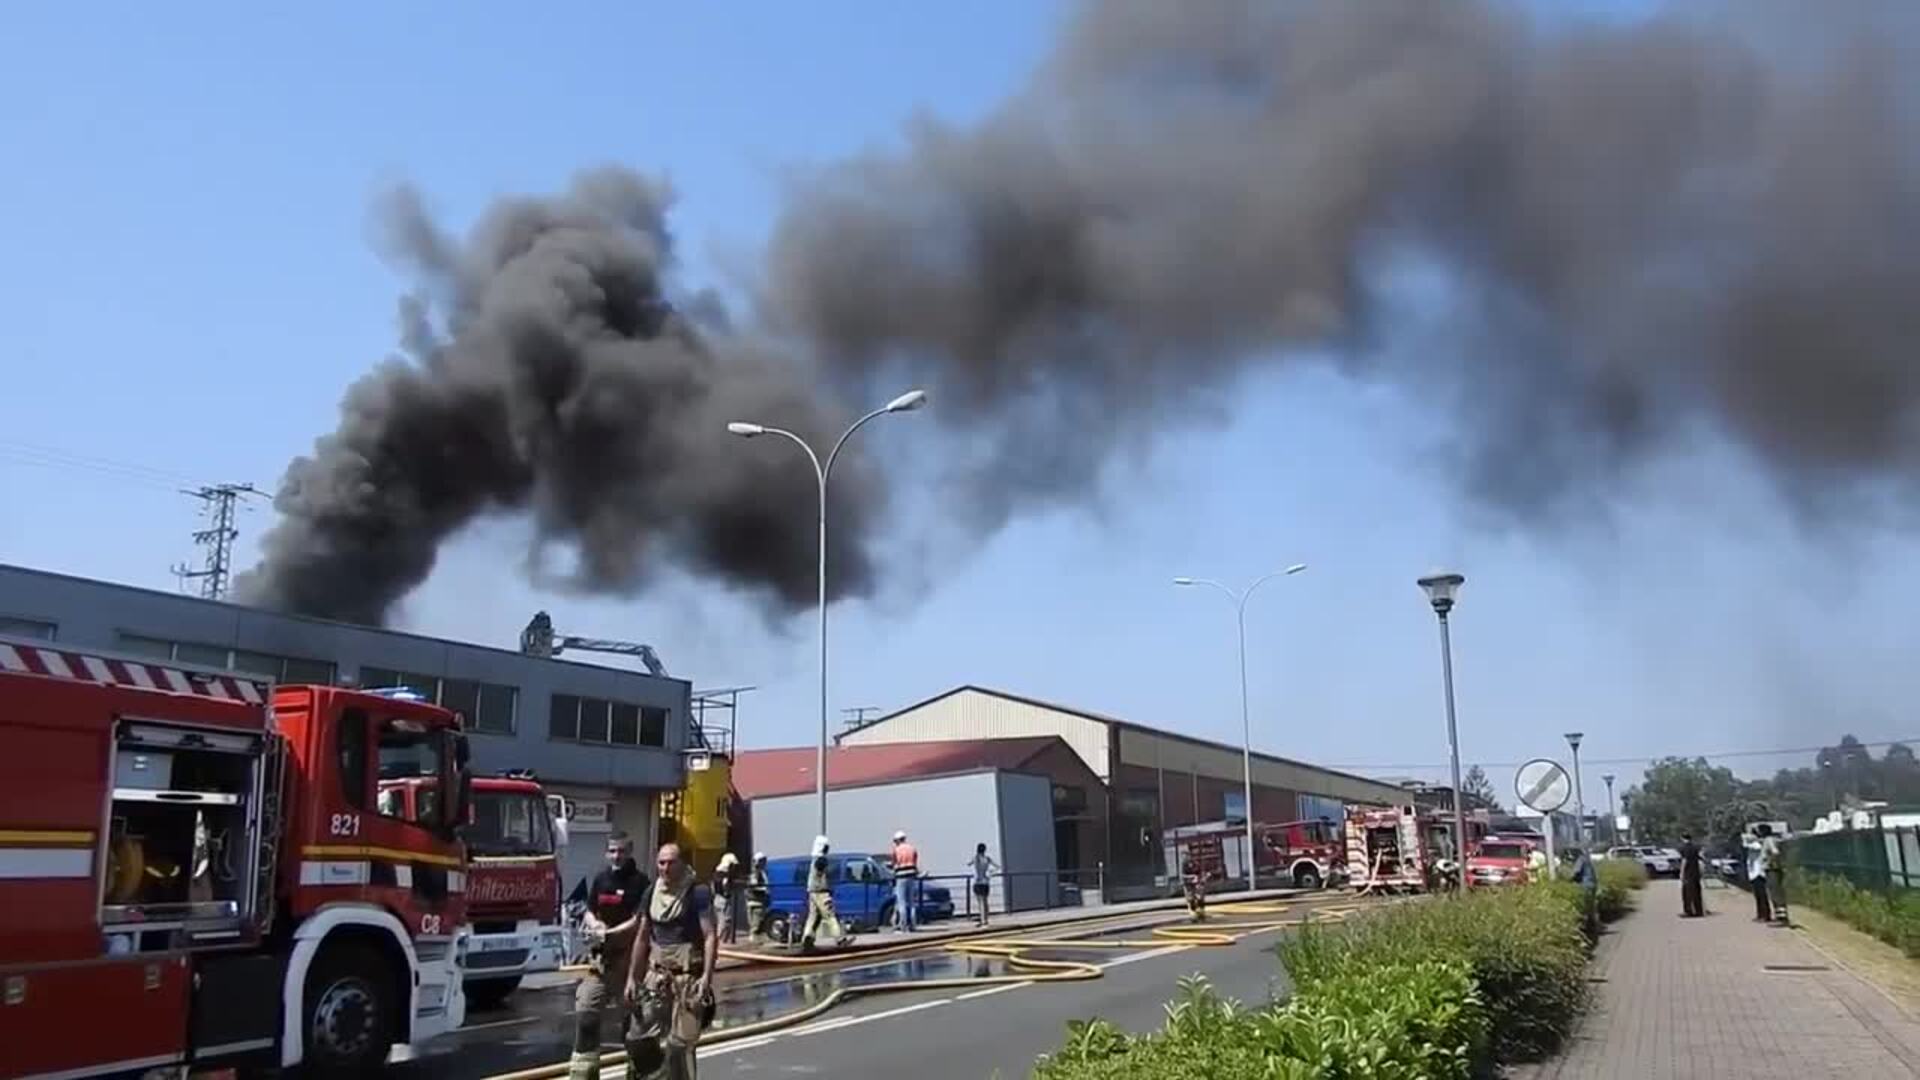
596, 998
759, 918
820, 918
661, 1042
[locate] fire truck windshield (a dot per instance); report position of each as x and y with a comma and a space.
413, 755
509, 823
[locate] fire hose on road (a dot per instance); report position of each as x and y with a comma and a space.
1015, 951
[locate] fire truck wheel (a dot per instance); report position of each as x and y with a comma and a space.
489, 993
1307, 877
349, 1012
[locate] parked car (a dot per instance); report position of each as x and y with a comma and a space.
1498, 861
862, 892
1660, 862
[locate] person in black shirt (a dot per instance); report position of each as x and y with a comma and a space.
1692, 903
614, 897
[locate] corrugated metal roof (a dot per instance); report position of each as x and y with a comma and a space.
789, 770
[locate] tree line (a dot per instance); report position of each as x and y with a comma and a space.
1690, 795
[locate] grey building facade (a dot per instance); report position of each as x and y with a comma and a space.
609, 739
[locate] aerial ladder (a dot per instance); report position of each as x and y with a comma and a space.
696, 816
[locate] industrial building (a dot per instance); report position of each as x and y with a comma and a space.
1037, 807
1151, 780
611, 740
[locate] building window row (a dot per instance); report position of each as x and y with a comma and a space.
488, 707
285, 669
610, 723
14, 626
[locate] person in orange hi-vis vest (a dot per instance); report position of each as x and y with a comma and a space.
906, 872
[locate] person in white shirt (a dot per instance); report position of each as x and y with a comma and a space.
1763, 859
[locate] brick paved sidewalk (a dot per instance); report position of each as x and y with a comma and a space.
1694, 999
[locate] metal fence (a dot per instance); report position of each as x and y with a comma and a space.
1879, 860
1023, 890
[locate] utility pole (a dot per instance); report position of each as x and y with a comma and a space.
219, 503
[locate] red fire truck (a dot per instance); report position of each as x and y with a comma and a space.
1310, 853
1403, 848
513, 884
198, 872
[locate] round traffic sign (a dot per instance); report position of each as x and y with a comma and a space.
1543, 785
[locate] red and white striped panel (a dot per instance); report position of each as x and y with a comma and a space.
121, 671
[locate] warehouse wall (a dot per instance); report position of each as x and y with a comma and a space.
1026, 843
971, 714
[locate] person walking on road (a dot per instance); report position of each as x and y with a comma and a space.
906, 872
1692, 903
980, 868
820, 914
759, 900
612, 919
670, 979
1763, 854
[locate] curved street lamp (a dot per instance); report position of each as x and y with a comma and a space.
1246, 715
907, 402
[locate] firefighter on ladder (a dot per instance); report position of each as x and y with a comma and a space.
670, 978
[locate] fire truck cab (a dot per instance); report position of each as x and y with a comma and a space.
205, 863
513, 882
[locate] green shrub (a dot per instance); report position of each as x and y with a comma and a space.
1398, 1022
1618, 879
1523, 947
1892, 917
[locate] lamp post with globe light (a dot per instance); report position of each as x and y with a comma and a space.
907, 402
1441, 588
1246, 713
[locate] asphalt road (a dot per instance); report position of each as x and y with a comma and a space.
973, 1034
997, 1031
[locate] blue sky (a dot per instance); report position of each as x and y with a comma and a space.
191, 287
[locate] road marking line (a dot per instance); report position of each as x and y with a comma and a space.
991, 990
744, 1044
850, 1021
1150, 954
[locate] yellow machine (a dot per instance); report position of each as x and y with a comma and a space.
695, 817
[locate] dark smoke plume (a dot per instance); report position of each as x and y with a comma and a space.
1701, 216
564, 385
1655, 222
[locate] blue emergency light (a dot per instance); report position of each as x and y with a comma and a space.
398, 693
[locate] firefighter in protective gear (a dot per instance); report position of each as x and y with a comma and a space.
726, 889
759, 899
613, 905
820, 914
669, 980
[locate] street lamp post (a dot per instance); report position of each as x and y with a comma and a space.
907, 402
1246, 713
1579, 799
1440, 589
1613, 817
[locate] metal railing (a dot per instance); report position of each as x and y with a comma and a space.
1022, 890
1878, 860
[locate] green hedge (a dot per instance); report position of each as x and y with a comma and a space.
1399, 1022
1892, 917
1523, 946
1434, 988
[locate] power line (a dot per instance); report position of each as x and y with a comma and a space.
1782, 752
218, 504
18, 452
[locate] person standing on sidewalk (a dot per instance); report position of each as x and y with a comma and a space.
1763, 855
1588, 879
980, 869
759, 900
1692, 904
906, 872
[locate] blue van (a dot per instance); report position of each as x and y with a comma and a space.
862, 892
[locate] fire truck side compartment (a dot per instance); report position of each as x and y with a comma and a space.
236, 1005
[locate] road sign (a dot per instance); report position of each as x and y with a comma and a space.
1543, 785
